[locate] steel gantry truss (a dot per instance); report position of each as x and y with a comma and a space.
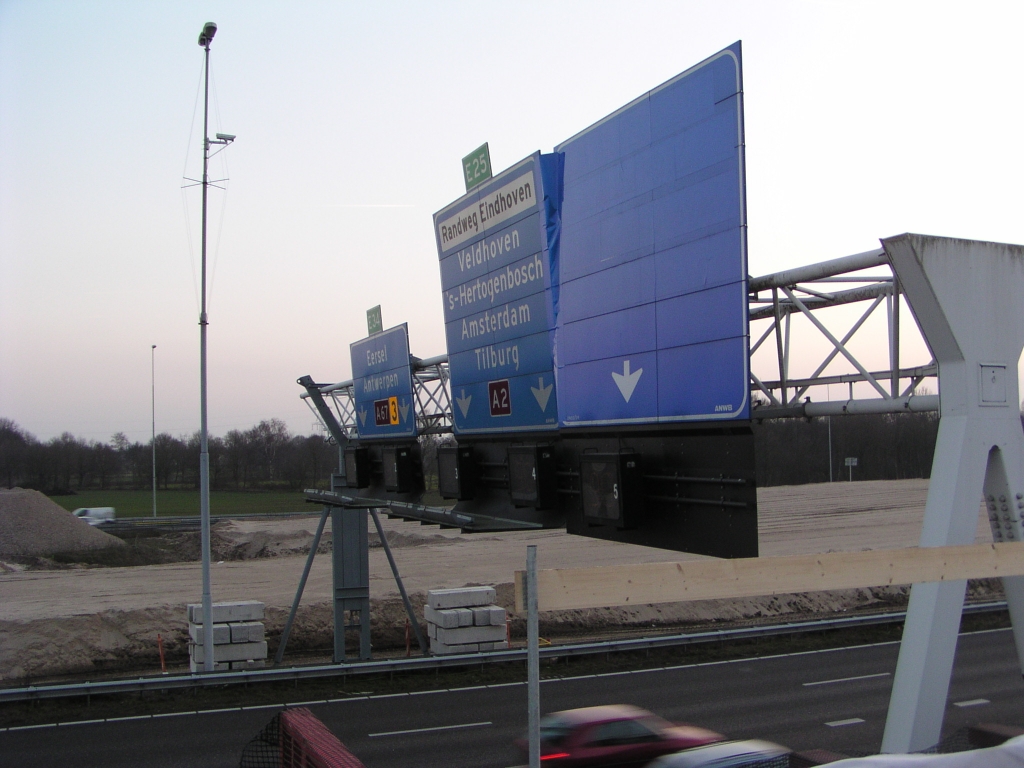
775, 301
805, 292
432, 402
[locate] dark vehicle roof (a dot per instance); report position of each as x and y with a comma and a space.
719, 754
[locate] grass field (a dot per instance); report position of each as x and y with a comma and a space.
186, 503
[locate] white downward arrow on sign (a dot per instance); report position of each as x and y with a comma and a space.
362, 417
626, 381
404, 409
542, 393
464, 403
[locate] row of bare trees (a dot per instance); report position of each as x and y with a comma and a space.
789, 452
265, 456
892, 446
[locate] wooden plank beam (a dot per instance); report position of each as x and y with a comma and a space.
672, 582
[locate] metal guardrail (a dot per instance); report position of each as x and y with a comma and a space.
128, 525
166, 682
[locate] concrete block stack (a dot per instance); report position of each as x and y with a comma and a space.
464, 620
238, 636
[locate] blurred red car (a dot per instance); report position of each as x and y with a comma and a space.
615, 735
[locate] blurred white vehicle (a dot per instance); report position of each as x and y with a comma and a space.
95, 515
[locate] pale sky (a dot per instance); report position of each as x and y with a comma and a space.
863, 120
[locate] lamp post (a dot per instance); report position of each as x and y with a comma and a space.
152, 379
205, 38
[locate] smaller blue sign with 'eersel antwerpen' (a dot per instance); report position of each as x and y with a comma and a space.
498, 248
382, 383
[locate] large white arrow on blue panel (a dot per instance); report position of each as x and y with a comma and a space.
542, 393
626, 381
464, 402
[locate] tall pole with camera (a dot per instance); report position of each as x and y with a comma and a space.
205, 38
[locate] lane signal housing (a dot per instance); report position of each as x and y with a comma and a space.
399, 468
456, 472
357, 467
533, 476
611, 486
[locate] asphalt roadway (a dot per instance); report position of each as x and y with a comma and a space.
834, 699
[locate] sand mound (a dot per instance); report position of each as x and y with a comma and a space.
31, 525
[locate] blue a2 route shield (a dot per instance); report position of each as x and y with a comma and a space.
382, 382
498, 251
651, 323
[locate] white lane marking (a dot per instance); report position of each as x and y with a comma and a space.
301, 703
840, 723
557, 679
847, 679
82, 722
971, 703
425, 730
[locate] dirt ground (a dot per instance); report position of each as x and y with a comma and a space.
82, 619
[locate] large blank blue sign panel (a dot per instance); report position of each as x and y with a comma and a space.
651, 317
382, 380
498, 248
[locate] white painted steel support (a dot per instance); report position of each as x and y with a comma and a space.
968, 299
532, 658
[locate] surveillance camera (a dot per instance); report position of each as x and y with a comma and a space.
226, 136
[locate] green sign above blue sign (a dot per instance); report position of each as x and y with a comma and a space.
374, 322
476, 166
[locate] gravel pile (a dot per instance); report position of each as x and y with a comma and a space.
31, 525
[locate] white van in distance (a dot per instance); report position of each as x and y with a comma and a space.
95, 515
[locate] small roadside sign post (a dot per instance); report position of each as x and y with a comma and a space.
476, 166
851, 462
374, 323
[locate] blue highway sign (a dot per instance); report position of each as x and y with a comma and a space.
497, 246
382, 381
651, 322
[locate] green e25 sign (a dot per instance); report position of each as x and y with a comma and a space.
476, 166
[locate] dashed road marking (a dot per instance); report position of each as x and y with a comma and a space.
427, 730
848, 721
971, 703
847, 679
